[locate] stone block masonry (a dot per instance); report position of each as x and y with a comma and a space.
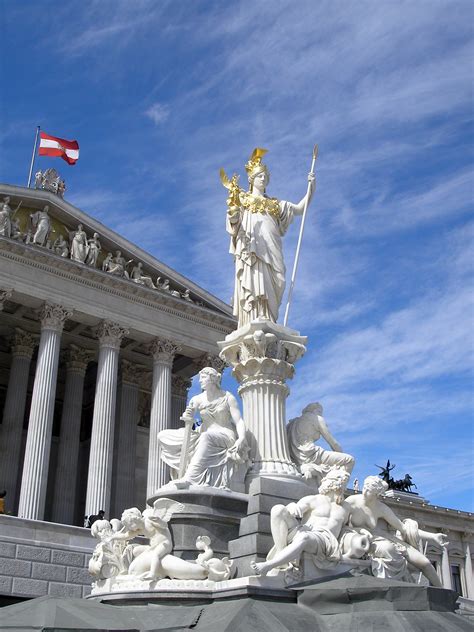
41, 558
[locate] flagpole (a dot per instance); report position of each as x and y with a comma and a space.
33, 156
300, 239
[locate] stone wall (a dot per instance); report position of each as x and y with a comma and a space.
42, 558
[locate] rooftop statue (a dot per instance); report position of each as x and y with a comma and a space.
6, 216
93, 250
256, 224
78, 241
41, 223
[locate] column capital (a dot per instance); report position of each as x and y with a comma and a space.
110, 334
77, 359
163, 350
23, 343
131, 373
53, 316
208, 359
180, 385
5, 295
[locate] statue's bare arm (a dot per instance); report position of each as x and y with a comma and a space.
299, 208
327, 436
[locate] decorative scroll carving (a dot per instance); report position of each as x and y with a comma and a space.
131, 373
77, 359
163, 350
23, 343
5, 295
53, 316
208, 359
180, 385
110, 334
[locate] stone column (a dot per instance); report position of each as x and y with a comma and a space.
163, 352
468, 574
446, 567
23, 344
179, 398
38, 444
76, 361
263, 355
126, 441
102, 440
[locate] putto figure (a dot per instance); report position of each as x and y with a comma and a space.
256, 224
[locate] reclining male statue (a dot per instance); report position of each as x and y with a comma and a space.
312, 525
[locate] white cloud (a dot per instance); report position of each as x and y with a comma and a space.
158, 113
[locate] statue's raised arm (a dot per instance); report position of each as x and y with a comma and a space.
256, 224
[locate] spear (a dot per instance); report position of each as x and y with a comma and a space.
300, 239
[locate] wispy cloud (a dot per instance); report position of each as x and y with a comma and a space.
158, 113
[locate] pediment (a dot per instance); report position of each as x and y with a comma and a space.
57, 245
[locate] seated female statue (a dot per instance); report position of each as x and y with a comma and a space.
217, 447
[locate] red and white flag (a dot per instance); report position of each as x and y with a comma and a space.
68, 150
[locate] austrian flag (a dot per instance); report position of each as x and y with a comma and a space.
68, 150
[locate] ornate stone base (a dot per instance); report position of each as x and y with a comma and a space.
208, 511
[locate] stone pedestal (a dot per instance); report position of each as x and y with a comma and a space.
40, 426
255, 539
102, 440
262, 355
216, 513
23, 345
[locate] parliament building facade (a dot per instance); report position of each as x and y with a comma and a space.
97, 353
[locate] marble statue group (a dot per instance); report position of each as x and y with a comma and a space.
326, 530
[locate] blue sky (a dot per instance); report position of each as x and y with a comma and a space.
160, 95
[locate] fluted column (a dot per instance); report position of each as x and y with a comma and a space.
263, 355
23, 345
446, 567
163, 352
468, 574
179, 397
126, 441
102, 440
64, 501
38, 443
